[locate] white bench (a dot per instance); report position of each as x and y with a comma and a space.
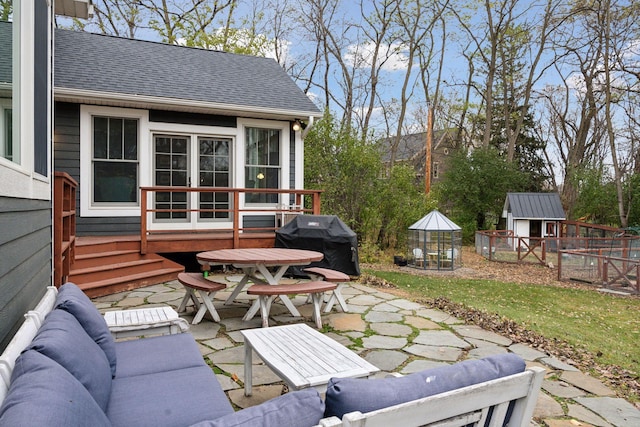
23, 337
145, 321
486, 403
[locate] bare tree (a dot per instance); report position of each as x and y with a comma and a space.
376, 29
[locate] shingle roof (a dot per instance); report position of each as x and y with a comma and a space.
410, 145
93, 62
435, 221
534, 206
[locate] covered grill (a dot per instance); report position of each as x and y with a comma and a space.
322, 233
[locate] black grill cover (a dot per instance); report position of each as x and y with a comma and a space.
322, 233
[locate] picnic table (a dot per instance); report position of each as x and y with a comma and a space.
270, 263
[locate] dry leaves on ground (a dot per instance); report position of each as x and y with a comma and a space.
474, 266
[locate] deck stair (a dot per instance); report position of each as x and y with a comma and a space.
107, 265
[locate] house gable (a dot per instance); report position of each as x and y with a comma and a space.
412, 151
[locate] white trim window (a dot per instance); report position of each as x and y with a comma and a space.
115, 160
24, 162
111, 143
436, 170
263, 163
6, 129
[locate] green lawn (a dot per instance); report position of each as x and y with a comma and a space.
605, 325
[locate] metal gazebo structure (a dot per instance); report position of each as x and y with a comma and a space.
435, 243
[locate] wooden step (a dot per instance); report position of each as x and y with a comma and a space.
133, 281
106, 265
106, 270
111, 257
91, 246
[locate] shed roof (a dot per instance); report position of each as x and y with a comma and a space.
435, 221
130, 69
534, 206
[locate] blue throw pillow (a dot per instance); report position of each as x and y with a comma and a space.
71, 299
302, 408
62, 339
346, 395
43, 393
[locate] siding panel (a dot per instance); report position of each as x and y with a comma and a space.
25, 270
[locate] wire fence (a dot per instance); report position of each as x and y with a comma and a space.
612, 262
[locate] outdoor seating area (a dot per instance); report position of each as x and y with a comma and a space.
377, 332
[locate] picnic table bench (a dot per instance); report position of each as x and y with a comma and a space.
320, 273
267, 293
206, 289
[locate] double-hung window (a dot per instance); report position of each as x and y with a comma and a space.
115, 161
262, 163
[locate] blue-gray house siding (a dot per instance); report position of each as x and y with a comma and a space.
25, 254
26, 222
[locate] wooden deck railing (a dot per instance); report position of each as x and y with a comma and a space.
303, 201
64, 226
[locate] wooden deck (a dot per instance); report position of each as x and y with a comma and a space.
105, 264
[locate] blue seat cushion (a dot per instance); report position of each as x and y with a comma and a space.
43, 393
161, 353
346, 395
174, 398
71, 299
62, 339
302, 408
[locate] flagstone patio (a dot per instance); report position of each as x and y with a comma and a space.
392, 333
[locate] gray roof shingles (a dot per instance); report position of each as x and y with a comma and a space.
103, 63
535, 205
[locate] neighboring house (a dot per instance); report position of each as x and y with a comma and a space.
25, 162
412, 151
533, 214
133, 113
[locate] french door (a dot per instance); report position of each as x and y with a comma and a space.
192, 161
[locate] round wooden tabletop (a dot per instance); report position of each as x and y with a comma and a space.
265, 256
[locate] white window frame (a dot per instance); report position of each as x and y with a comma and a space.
17, 176
5, 104
87, 112
436, 170
192, 132
283, 127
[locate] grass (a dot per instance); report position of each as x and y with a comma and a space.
604, 325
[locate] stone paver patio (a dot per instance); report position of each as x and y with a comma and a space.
392, 333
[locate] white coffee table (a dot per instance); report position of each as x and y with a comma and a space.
301, 356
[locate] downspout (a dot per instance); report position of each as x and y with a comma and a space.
306, 130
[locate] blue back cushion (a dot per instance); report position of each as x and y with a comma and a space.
43, 393
71, 299
62, 339
346, 395
302, 408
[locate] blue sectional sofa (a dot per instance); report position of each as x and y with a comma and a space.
72, 373
63, 368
